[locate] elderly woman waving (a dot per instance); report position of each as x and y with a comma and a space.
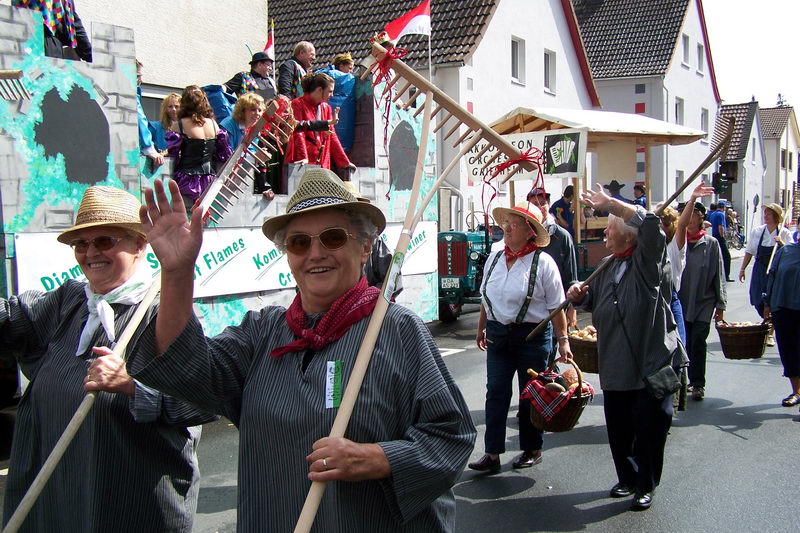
636, 338
278, 375
135, 453
520, 287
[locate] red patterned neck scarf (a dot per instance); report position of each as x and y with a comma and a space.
694, 237
529, 247
348, 309
627, 253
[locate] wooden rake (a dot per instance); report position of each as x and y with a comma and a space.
12, 87
717, 152
476, 131
261, 141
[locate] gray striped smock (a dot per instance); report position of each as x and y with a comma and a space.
409, 405
132, 465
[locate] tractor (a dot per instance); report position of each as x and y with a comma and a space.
462, 255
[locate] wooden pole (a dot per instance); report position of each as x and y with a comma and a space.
648, 180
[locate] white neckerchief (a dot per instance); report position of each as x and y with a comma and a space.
100, 312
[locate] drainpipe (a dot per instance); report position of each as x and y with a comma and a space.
459, 206
666, 146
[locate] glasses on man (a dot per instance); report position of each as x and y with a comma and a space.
331, 239
101, 244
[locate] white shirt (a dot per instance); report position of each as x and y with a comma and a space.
507, 289
768, 240
677, 260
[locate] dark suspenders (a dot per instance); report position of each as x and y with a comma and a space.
531, 283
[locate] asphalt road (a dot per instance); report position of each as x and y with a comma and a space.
731, 462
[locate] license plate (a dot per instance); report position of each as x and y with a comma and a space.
450, 283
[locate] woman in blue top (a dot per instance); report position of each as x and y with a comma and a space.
782, 303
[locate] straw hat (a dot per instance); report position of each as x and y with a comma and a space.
352, 188
106, 206
320, 188
522, 209
775, 208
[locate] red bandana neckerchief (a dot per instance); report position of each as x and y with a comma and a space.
694, 237
348, 309
627, 253
529, 247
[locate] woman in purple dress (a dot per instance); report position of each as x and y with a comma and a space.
198, 142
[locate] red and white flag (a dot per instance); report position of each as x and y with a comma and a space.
416, 21
269, 48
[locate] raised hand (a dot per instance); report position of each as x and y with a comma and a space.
701, 191
175, 240
596, 198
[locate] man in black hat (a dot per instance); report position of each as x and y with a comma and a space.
258, 80
613, 190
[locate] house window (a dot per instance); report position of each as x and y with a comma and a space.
701, 57
685, 41
679, 111
753, 155
704, 121
639, 88
678, 179
790, 160
518, 60
783, 158
470, 84
550, 71
639, 108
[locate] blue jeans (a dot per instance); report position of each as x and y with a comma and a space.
508, 352
677, 312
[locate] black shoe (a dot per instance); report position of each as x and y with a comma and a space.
642, 501
528, 459
621, 490
729, 280
486, 464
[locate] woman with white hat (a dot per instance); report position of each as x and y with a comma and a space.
521, 285
760, 245
279, 374
132, 465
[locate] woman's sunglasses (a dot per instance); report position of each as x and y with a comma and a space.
101, 244
331, 239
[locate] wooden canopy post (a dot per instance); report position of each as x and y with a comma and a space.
577, 219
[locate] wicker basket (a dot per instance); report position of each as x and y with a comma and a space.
568, 416
743, 342
584, 353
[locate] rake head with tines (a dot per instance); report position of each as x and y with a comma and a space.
260, 144
11, 86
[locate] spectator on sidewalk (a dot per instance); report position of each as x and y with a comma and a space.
719, 227
294, 69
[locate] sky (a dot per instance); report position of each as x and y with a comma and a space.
754, 47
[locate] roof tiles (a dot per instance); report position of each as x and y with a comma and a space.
774, 121
627, 38
743, 114
347, 25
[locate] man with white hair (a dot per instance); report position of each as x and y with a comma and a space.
293, 69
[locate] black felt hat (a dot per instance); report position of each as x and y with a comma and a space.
261, 56
614, 185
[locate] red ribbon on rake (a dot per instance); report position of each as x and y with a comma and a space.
385, 100
531, 155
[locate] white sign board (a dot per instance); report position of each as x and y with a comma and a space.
231, 261
563, 154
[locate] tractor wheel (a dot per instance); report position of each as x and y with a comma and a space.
449, 312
